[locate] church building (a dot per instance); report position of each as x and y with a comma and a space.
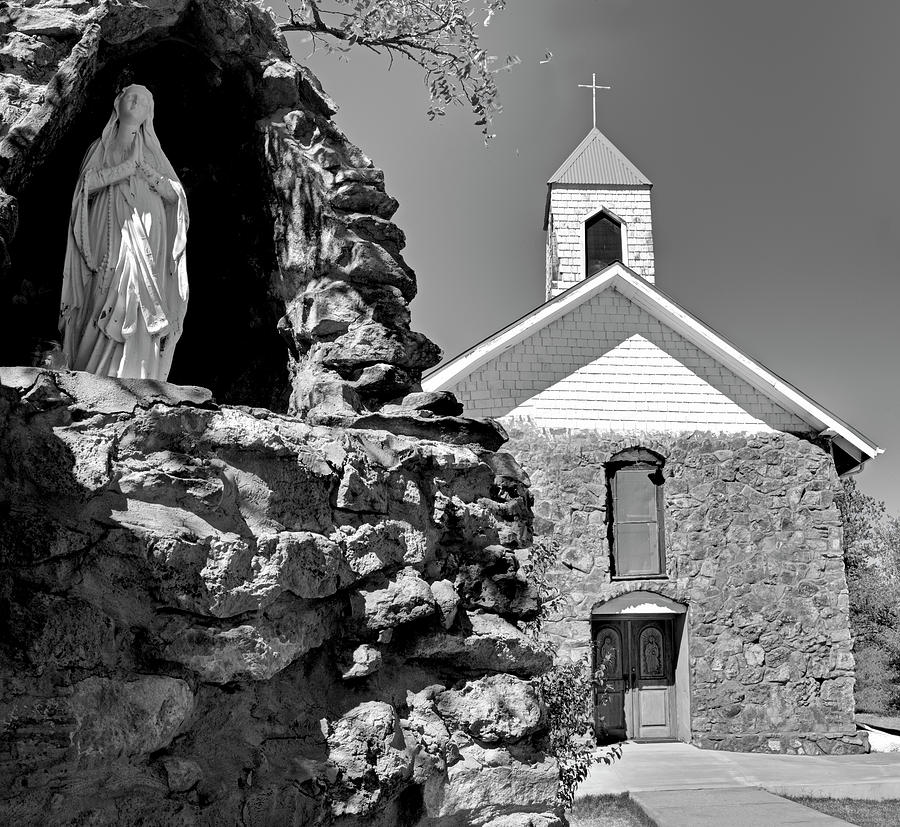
689, 490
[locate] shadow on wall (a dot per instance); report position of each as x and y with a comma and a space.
205, 118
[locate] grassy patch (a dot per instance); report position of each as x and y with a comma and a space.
865, 813
608, 811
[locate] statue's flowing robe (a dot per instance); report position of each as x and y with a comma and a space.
125, 286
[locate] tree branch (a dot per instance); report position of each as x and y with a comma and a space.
437, 35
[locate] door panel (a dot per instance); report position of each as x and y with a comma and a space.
654, 710
652, 653
655, 679
609, 710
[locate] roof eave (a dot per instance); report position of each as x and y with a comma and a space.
752, 371
489, 347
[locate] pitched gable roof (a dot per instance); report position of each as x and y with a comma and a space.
853, 444
596, 160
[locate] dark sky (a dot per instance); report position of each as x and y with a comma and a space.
770, 131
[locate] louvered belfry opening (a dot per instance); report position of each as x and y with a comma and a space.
602, 242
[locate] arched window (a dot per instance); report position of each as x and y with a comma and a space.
602, 242
635, 507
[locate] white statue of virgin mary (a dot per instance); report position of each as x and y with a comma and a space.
125, 287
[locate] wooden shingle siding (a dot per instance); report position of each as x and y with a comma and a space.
608, 364
570, 206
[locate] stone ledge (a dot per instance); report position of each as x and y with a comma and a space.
791, 743
454, 430
106, 395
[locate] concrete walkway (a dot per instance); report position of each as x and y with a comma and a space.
734, 807
680, 785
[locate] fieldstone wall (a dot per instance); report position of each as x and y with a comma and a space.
753, 544
224, 616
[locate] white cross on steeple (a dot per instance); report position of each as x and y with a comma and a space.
593, 87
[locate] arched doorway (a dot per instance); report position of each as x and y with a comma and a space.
640, 641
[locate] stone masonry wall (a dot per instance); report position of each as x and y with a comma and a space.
753, 547
570, 205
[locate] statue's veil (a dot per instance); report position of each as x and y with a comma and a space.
97, 155
148, 144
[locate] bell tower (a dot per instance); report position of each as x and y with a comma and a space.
597, 212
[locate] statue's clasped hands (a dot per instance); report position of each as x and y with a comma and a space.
149, 173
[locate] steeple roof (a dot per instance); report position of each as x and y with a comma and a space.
596, 160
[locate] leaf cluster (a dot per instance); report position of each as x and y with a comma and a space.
440, 36
543, 554
568, 692
871, 548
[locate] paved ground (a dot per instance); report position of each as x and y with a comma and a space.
734, 807
682, 786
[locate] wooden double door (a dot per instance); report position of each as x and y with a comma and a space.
640, 677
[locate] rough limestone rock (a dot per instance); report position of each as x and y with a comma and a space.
366, 661
484, 784
226, 616
526, 820
181, 774
498, 708
367, 745
406, 598
116, 718
490, 644
447, 600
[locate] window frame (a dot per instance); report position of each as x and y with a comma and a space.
623, 226
636, 459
